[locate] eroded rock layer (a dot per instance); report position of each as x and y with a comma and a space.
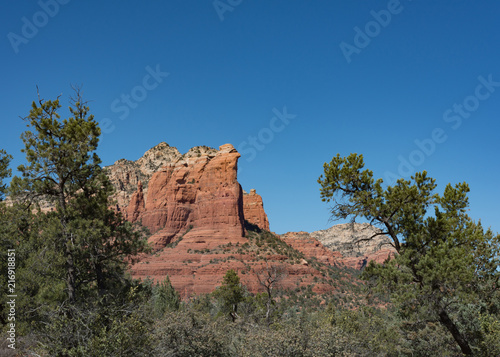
253, 209
199, 193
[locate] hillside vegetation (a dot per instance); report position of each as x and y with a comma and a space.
70, 292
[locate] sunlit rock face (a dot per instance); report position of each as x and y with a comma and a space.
253, 209
199, 191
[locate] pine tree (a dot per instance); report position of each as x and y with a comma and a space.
445, 260
64, 170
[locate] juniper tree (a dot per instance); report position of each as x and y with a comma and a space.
445, 260
165, 297
231, 293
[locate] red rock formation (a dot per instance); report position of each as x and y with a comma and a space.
197, 266
195, 202
199, 191
359, 263
136, 205
312, 248
253, 209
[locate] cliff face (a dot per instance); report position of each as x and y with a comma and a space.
136, 204
168, 191
253, 209
125, 174
198, 190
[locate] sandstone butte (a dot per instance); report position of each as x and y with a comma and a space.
196, 212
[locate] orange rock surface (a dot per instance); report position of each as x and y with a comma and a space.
312, 248
197, 191
253, 209
136, 205
197, 265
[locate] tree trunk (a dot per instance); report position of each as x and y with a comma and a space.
462, 342
268, 312
269, 303
100, 279
70, 271
70, 263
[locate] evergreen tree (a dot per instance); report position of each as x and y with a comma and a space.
5, 241
166, 298
63, 170
445, 261
4, 171
231, 293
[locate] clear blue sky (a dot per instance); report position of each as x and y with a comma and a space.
367, 77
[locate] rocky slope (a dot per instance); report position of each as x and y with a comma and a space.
197, 266
345, 239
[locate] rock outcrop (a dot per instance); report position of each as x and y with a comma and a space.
312, 248
198, 191
253, 209
195, 209
125, 174
346, 239
136, 205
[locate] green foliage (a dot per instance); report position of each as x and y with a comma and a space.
73, 296
191, 334
37, 282
230, 293
371, 331
4, 171
490, 330
63, 169
117, 326
165, 297
445, 260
